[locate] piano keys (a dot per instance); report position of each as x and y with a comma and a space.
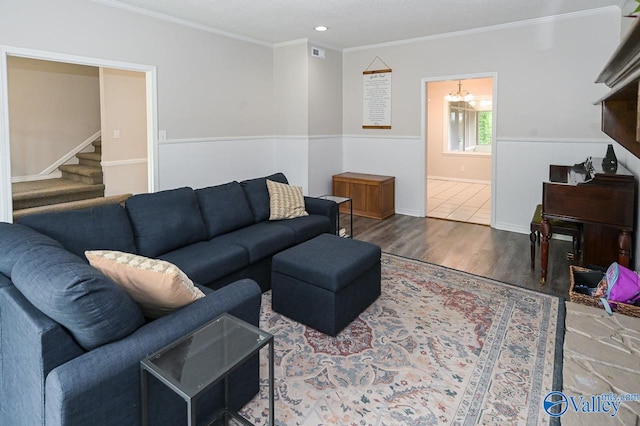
602, 202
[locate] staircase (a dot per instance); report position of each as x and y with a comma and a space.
79, 182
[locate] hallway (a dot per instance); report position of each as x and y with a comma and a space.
459, 201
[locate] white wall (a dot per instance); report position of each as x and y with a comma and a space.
325, 160
199, 163
123, 110
291, 88
325, 93
545, 72
308, 115
208, 86
390, 156
525, 164
325, 120
54, 107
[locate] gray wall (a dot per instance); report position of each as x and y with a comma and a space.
208, 85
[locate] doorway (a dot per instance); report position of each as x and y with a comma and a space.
148, 92
459, 137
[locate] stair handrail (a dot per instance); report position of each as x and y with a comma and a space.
69, 155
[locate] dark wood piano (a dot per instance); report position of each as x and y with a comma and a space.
603, 202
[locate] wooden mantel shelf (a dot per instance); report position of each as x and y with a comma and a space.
620, 107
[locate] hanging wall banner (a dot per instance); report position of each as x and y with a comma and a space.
376, 99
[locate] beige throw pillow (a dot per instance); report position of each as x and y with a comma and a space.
285, 201
157, 285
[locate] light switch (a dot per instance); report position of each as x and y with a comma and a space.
162, 135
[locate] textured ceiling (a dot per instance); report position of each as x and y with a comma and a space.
354, 22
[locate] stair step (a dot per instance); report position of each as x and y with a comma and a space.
73, 205
93, 156
52, 191
82, 173
91, 159
89, 163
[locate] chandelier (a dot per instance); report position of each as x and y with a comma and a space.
460, 95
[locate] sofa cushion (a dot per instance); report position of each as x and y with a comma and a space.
104, 227
306, 227
337, 261
15, 240
261, 239
165, 220
224, 208
64, 287
207, 261
160, 287
258, 195
285, 201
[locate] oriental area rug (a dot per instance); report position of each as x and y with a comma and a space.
439, 346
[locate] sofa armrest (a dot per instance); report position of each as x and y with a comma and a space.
103, 386
32, 345
325, 208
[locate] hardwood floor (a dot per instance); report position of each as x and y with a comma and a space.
477, 249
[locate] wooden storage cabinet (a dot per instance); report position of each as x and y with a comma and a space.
372, 196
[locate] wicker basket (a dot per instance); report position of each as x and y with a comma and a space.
622, 308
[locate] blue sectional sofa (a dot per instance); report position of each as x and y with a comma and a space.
71, 339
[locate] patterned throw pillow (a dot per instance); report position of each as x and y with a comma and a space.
285, 201
160, 287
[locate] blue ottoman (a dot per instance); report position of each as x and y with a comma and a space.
326, 282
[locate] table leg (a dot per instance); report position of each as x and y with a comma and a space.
351, 217
191, 412
226, 400
545, 230
271, 390
143, 398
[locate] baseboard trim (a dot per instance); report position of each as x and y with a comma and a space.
409, 212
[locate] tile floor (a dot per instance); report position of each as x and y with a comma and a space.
459, 201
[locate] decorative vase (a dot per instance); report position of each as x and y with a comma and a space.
610, 161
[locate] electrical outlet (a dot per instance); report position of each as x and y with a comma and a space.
116, 134
462, 169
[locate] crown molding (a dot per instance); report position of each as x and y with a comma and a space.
490, 28
179, 21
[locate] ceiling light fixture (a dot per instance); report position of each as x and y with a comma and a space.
460, 95
321, 28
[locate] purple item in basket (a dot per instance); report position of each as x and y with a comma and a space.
623, 285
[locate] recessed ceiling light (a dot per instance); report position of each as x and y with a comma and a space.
321, 28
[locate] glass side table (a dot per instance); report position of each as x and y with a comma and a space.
339, 201
194, 363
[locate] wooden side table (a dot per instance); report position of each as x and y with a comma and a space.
372, 196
